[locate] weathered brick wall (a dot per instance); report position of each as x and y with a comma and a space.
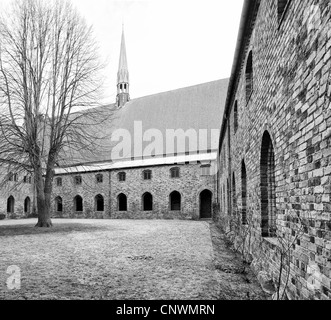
190, 184
291, 100
88, 190
19, 191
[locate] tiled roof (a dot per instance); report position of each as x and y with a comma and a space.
198, 107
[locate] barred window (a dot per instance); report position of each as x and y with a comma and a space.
147, 175
174, 172
78, 180
99, 178
59, 182
122, 177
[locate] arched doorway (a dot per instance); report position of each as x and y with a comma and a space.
59, 204
206, 204
11, 205
122, 202
175, 201
147, 202
99, 203
78, 204
27, 206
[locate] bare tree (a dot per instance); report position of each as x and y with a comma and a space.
49, 72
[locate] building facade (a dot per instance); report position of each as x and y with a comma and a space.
275, 155
165, 169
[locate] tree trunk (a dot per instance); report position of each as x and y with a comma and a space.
43, 203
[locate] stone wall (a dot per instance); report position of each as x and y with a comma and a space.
190, 184
291, 101
19, 191
88, 190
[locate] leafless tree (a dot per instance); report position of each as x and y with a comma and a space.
49, 74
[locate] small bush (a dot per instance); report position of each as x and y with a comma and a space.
2, 216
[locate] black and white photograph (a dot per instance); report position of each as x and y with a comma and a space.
165, 156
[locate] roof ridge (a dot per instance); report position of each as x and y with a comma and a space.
183, 88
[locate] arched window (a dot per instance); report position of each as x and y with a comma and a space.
235, 116
243, 193
174, 173
249, 76
147, 202
27, 205
122, 177
11, 205
268, 187
122, 202
147, 175
234, 198
78, 204
99, 203
206, 209
175, 201
58, 204
282, 5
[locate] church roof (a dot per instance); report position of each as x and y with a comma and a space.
199, 107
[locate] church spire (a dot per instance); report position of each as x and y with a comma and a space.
123, 95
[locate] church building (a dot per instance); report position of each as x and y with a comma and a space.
167, 167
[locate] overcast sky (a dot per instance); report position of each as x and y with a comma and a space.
170, 43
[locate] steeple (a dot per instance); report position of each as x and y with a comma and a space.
123, 95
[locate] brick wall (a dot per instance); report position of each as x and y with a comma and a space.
291, 101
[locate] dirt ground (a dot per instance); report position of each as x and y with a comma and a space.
122, 259
235, 278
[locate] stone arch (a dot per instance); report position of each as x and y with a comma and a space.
249, 76
268, 187
235, 117
27, 206
99, 203
11, 205
122, 202
78, 204
58, 204
206, 204
175, 199
147, 201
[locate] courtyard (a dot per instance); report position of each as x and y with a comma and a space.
122, 259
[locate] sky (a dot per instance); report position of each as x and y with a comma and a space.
170, 44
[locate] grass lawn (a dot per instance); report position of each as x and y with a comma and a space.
109, 259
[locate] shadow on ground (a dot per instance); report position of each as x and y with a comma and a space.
20, 230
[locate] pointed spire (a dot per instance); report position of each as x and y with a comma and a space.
123, 95
123, 71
